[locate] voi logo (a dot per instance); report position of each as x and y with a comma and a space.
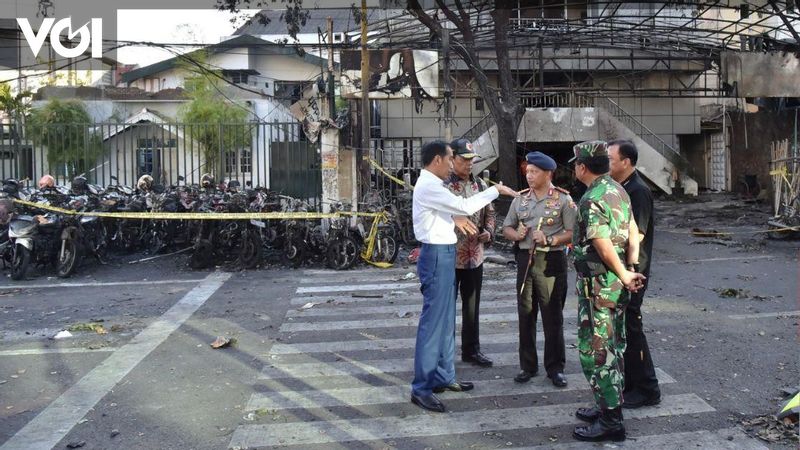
49, 25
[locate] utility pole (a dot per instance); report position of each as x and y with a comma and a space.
329, 136
331, 87
365, 109
448, 89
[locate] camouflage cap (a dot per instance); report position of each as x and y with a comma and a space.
589, 149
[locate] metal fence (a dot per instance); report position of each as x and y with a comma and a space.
270, 154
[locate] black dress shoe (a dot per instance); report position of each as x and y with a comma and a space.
429, 402
559, 380
637, 399
588, 414
478, 359
457, 386
524, 376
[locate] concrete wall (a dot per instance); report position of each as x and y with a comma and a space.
666, 117
285, 68
762, 74
236, 58
558, 125
168, 79
399, 119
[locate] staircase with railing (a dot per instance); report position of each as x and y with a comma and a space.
641, 130
481, 127
605, 107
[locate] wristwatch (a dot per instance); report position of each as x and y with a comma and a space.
549, 240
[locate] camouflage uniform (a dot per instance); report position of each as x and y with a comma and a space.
604, 211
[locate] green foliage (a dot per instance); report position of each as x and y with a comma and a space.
13, 104
214, 119
65, 129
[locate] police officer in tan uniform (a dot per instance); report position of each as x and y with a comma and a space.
542, 284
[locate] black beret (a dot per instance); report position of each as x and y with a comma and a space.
541, 160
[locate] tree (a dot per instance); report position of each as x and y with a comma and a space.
501, 100
13, 105
503, 104
215, 121
65, 129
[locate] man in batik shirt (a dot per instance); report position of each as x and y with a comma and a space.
470, 251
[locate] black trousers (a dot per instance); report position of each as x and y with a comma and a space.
468, 283
545, 291
639, 371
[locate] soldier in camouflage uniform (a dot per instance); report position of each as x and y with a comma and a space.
602, 248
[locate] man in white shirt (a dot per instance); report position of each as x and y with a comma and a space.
437, 212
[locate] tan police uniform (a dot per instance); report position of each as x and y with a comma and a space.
546, 280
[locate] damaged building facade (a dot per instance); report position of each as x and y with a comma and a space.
702, 88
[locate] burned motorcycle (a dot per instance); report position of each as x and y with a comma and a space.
81, 236
34, 240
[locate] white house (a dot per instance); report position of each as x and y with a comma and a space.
139, 119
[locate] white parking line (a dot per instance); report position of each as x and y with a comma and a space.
421, 425
325, 309
111, 283
377, 395
47, 351
387, 286
278, 369
397, 298
291, 327
389, 344
52, 424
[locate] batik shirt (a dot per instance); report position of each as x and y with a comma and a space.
469, 250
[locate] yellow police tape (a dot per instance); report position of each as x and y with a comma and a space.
395, 179
200, 216
403, 183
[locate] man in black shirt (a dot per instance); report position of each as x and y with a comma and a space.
641, 384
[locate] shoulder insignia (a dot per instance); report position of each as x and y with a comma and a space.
560, 189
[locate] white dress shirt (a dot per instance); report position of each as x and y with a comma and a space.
434, 207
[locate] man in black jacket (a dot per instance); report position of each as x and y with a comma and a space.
641, 384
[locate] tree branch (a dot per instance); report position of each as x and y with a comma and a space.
451, 16
462, 12
502, 16
416, 10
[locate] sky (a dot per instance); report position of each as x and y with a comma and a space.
202, 26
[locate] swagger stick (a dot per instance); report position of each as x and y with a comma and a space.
530, 258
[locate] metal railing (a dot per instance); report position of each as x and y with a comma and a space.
641, 130
482, 126
531, 99
273, 154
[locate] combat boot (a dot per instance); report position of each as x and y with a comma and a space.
588, 414
608, 427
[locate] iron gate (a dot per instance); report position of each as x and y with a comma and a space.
270, 154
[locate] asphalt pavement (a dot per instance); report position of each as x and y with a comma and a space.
322, 359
